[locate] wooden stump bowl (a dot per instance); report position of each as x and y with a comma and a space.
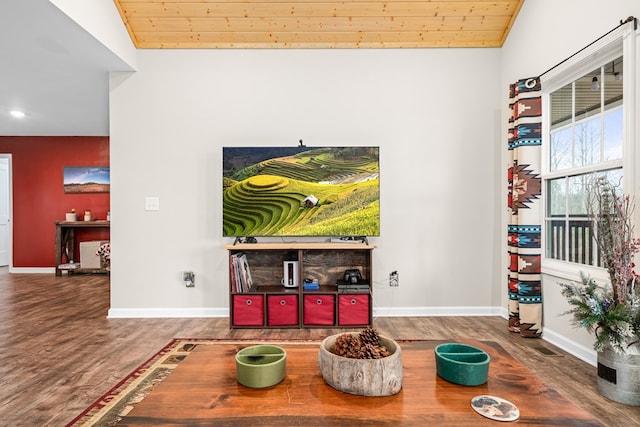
364, 377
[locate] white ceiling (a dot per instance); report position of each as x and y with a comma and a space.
54, 71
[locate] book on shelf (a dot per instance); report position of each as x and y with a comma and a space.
240, 273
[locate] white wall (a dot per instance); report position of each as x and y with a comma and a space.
439, 116
545, 33
435, 113
101, 19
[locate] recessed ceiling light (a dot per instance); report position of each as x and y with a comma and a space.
17, 114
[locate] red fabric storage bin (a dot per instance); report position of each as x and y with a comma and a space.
282, 310
319, 310
248, 310
353, 309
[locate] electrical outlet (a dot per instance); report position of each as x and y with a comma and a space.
152, 204
393, 279
189, 279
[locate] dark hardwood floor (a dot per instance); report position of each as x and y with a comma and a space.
59, 352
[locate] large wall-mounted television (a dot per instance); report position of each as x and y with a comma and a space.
301, 191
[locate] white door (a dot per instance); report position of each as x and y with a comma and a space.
5, 212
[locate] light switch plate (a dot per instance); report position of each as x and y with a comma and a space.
152, 204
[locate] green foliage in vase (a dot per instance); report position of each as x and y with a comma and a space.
611, 312
615, 325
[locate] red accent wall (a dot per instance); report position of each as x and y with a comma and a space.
39, 200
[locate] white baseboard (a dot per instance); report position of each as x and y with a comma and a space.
115, 313
32, 270
437, 311
126, 313
588, 355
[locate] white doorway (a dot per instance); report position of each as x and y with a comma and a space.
6, 229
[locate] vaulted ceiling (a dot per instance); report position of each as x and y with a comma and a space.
318, 23
57, 73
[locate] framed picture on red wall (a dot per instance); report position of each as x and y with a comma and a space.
86, 179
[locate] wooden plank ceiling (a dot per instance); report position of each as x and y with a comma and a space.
317, 23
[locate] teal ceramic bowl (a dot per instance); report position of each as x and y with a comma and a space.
462, 364
261, 366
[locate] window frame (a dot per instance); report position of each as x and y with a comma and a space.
621, 42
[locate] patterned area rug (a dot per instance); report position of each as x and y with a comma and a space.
115, 404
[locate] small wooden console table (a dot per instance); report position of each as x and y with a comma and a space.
65, 240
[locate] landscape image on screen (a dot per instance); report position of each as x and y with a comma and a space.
301, 191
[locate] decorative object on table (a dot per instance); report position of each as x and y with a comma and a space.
611, 312
86, 179
261, 366
495, 408
365, 363
365, 345
71, 216
462, 364
87, 215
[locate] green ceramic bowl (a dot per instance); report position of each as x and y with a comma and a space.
462, 364
261, 366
